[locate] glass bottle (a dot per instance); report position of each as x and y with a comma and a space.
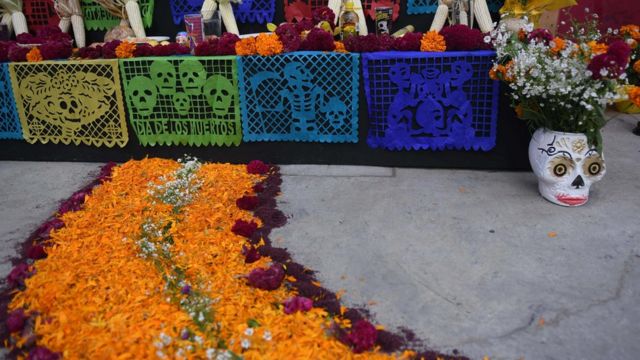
348, 21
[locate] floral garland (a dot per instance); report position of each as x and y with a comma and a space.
177, 255
49, 43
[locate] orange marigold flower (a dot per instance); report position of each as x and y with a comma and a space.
340, 47
268, 44
522, 35
519, 111
631, 30
125, 50
433, 42
246, 46
506, 70
34, 55
634, 95
636, 66
559, 45
597, 48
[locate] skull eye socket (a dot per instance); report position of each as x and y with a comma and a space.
135, 93
593, 166
560, 170
561, 166
148, 92
63, 105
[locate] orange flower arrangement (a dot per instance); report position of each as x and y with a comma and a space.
268, 44
634, 95
125, 50
96, 298
519, 111
636, 66
34, 55
433, 42
631, 30
340, 47
597, 48
246, 46
559, 45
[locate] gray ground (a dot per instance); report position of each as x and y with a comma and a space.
462, 257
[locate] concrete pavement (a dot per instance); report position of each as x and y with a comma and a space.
471, 260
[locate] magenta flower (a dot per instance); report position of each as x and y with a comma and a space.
36, 252
257, 167
267, 279
251, 254
17, 276
15, 320
244, 228
248, 202
42, 353
297, 303
362, 337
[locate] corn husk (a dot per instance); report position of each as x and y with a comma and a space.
440, 18
464, 18
335, 5
70, 13
229, 20
5, 19
481, 11
362, 21
208, 8
135, 18
19, 22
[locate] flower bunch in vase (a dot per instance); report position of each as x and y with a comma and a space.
561, 86
631, 35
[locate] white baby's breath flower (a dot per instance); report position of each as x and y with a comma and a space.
210, 353
248, 331
245, 343
487, 39
267, 335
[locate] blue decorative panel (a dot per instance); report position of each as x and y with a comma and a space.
255, 11
430, 6
9, 121
180, 8
301, 96
421, 100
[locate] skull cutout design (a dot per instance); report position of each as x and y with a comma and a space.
163, 74
182, 103
143, 94
192, 76
335, 111
219, 93
565, 165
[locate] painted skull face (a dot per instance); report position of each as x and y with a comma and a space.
182, 103
400, 74
164, 76
192, 76
144, 94
219, 93
565, 165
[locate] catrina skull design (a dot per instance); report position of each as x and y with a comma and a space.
566, 166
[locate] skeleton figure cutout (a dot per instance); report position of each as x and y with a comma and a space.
565, 166
144, 94
303, 96
163, 74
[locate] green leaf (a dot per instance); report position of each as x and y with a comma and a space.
253, 323
272, 27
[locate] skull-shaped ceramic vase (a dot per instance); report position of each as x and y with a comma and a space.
565, 165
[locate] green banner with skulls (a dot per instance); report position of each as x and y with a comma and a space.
183, 100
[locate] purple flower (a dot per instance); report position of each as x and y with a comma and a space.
15, 320
244, 228
186, 290
462, 37
248, 202
44, 231
324, 14
297, 303
51, 50
109, 49
184, 334
227, 44
408, 42
42, 353
362, 337
267, 279
251, 254
36, 252
318, 40
18, 274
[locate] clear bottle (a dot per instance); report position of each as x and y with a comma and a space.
348, 21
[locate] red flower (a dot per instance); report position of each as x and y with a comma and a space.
248, 202
207, 48
297, 303
289, 36
227, 44
4, 50
74, 203
51, 50
611, 64
540, 35
42, 353
318, 40
18, 53
257, 167
44, 231
621, 51
15, 320
26, 38
408, 42
251, 254
269, 279
90, 52
304, 25
324, 14
258, 187
36, 251
109, 49
244, 228
18, 274
362, 337
143, 50
461, 37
